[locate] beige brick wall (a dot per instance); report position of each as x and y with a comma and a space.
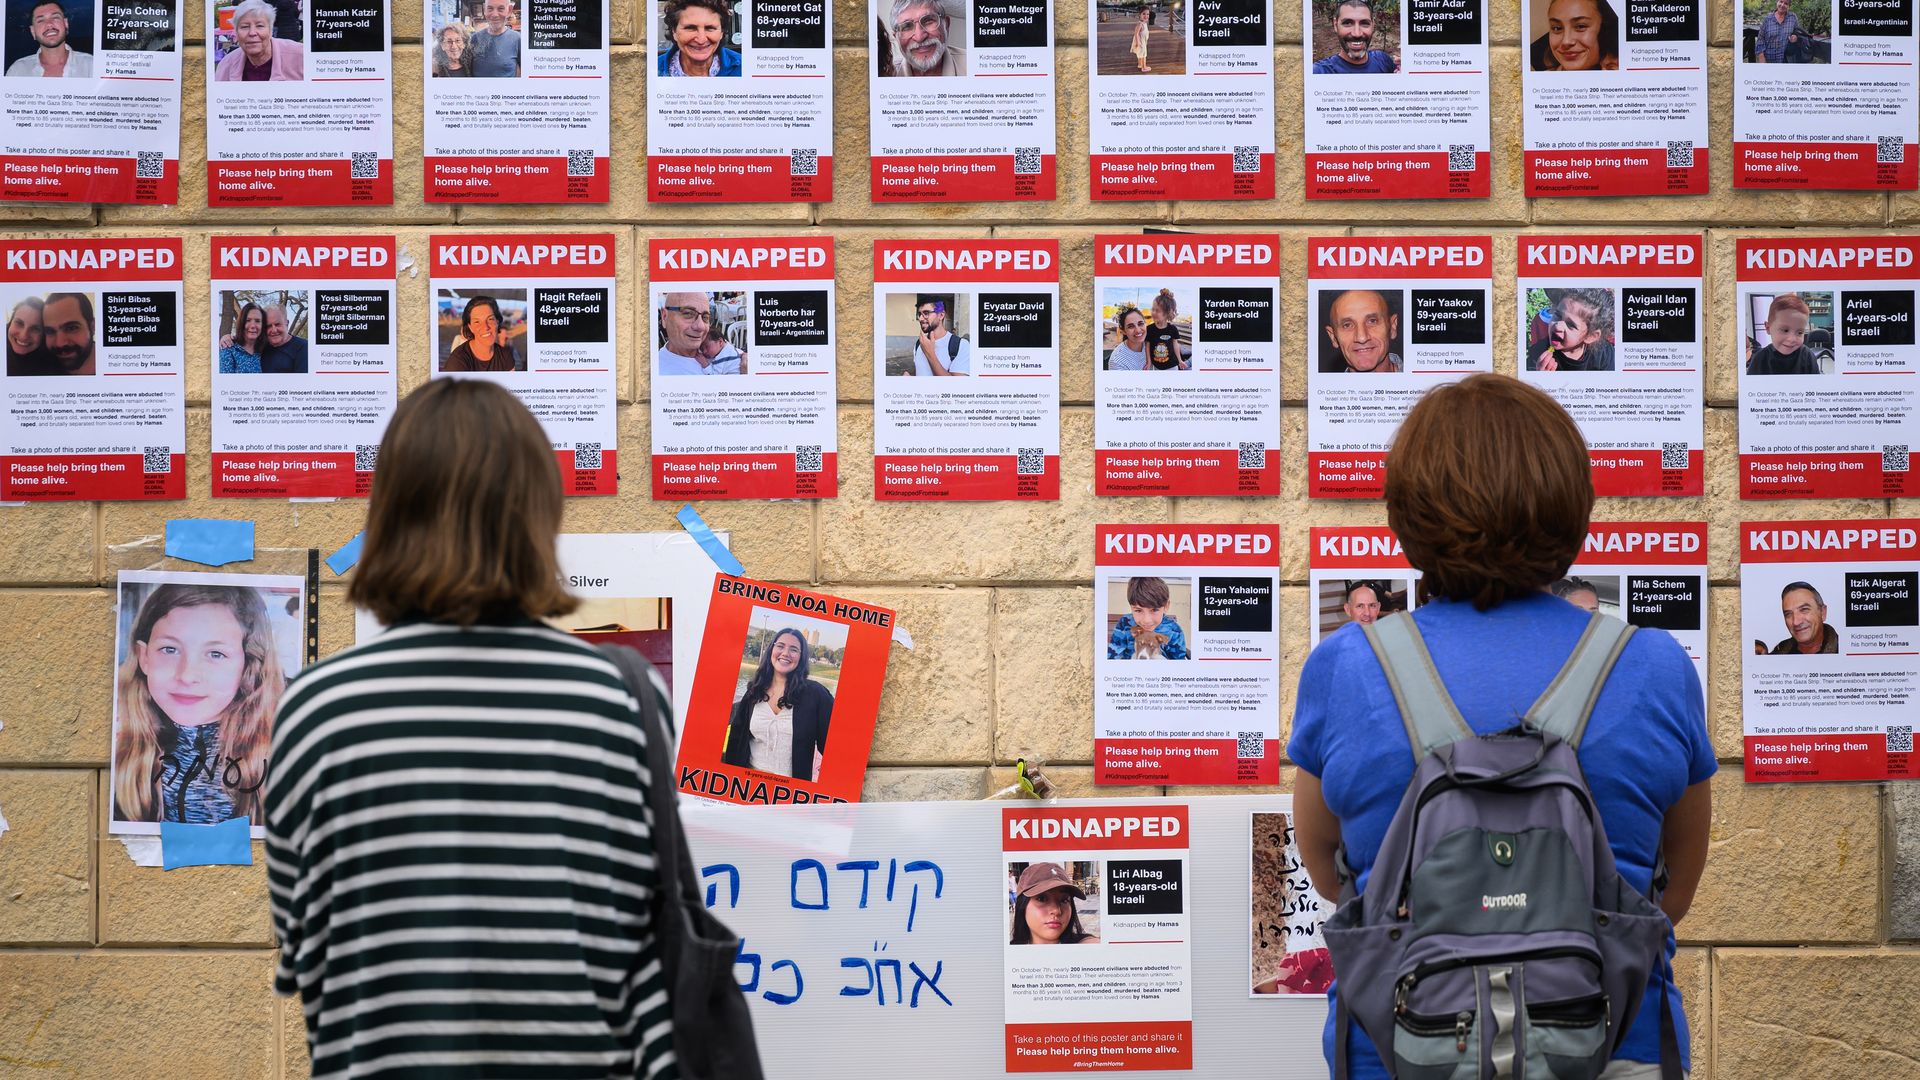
1792, 962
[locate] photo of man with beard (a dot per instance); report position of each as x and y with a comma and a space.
922, 39
67, 333
1348, 36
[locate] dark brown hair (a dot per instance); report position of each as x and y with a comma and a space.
1148, 592
466, 505
1489, 489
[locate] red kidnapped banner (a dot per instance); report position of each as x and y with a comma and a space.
1143, 827
1183, 472
1821, 476
63, 477
1178, 176
1200, 255
514, 180
984, 261
80, 259
356, 258
730, 259
736, 178
1841, 258
1651, 255
42, 178
1681, 543
935, 477
743, 476
1614, 172
297, 183
959, 178
1411, 257
1872, 539
1396, 176
501, 255
1360, 548
1187, 545
1823, 166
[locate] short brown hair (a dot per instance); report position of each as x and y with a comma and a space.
466, 505
1148, 592
1489, 489
1787, 301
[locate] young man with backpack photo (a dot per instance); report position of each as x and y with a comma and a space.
1492, 782
939, 351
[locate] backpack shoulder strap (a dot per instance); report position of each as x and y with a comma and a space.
1564, 707
953, 345
1431, 718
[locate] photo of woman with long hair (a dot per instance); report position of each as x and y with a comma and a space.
779, 723
200, 676
1044, 912
242, 357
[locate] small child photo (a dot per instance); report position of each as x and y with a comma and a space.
1570, 329
1150, 629
1791, 333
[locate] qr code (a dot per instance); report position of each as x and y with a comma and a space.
804, 163
1679, 155
806, 459
1246, 159
1026, 161
149, 164
579, 163
156, 460
1032, 461
1251, 744
1461, 158
1674, 455
1900, 740
1890, 150
586, 455
1253, 455
366, 165
365, 457
1893, 458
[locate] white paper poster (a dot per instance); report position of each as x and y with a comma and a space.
1652, 574
1356, 574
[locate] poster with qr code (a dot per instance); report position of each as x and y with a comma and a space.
1408, 119
92, 102
761, 128
960, 100
1611, 327
1182, 100
95, 393
1615, 96
1823, 95
304, 363
1388, 319
1114, 882
1838, 315
975, 325
299, 103
536, 313
1355, 574
1651, 574
1186, 654
1831, 617
517, 99
742, 375
1186, 364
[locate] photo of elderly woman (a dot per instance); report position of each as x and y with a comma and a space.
1575, 35
202, 659
694, 39
1786, 32
450, 53
1052, 903
783, 703
259, 41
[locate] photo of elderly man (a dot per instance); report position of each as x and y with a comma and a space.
53, 55
701, 334
493, 51
923, 37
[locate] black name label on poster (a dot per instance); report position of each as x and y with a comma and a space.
1449, 317
345, 26
790, 317
1229, 23
1663, 20
1242, 604
1015, 321
563, 24
1666, 602
789, 24
1444, 22
1145, 887
351, 318
1236, 315
140, 320
1656, 315
1010, 24
1876, 18
570, 316
1876, 317
1882, 598
137, 27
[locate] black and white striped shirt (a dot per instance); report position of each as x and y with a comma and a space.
460, 856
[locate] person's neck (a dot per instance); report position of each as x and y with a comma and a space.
55, 56
777, 689
1813, 646
937, 333
491, 32
705, 67
1572, 354
481, 347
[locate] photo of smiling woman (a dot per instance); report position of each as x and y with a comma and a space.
1575, 35
779, 722
693, 38
202, 664
1047, 904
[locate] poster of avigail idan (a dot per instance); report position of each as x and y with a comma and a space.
785, 695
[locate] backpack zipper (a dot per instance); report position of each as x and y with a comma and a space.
1440, 787
1404, 987
1574, 1012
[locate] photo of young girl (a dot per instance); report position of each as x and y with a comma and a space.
202, 662
1054, 904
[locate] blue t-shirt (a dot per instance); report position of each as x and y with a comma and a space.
494, 56
1378, 63
1644, 746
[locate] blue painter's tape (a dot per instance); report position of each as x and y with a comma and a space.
225, 844
696, 527
342, 561
210, 541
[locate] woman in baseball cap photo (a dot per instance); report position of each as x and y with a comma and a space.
1043, 909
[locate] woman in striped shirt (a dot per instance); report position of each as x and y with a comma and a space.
459, 847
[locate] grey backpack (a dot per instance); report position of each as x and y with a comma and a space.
1495, 937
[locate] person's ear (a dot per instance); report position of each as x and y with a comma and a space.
1393, 327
